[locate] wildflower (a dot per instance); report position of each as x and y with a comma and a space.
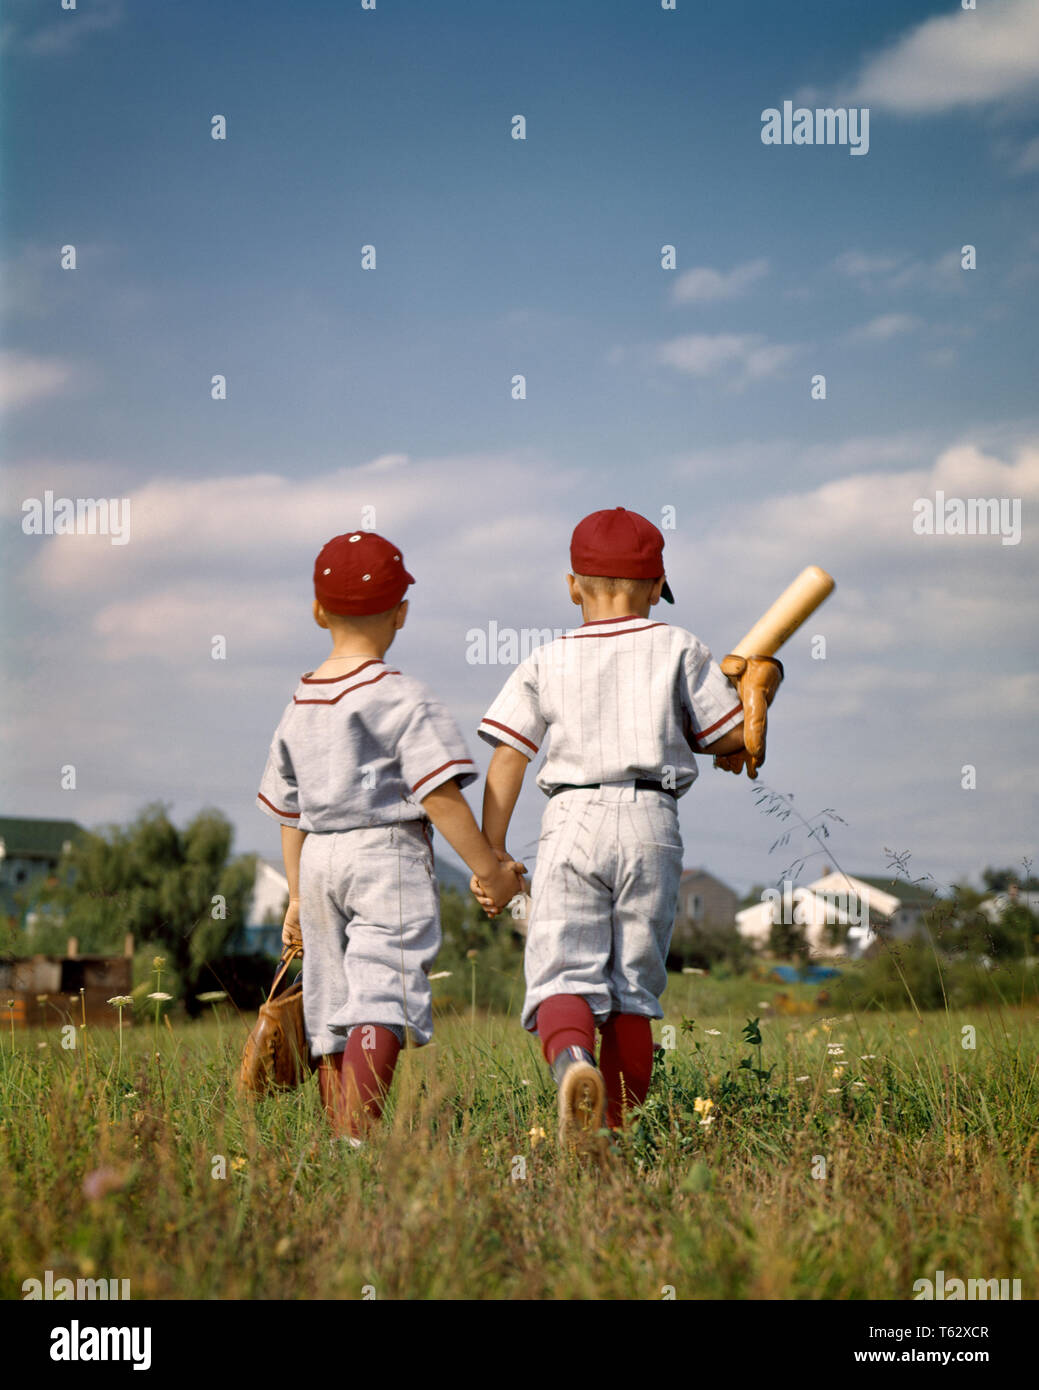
102, 1181
158, 962
162, 998
837, 1070
811, 1034
703, 1106
121, 1001
860, 1084
802, 1078
707, 1120
868, 1057
43, 1044
537, 1134
833, 1091
441, 975
524, 1081
10, 1003
713, 1032
211, 996
471, 955
42, 998
238, 1163
834, 1049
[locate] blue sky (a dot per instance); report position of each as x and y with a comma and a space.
648, 388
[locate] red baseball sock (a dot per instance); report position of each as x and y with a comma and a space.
354, 1086
565, 1020
626, 1061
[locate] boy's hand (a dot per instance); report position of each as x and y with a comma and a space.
291, 932
495, 893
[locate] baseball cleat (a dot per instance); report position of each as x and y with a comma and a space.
582, 1106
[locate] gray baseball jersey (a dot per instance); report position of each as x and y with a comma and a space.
348, 763
357, 750
614, 698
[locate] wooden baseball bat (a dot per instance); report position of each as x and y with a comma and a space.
786, 615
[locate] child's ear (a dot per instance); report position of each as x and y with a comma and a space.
402, 614
575, 589
657, 589
319, 615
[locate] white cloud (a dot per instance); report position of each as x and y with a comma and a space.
891, 271
885, 327
25, 379
964, 58
703, 284
24, 32
706, 354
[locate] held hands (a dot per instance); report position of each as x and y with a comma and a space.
756, 678
497, 892
291, 933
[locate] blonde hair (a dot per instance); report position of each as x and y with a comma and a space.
608, 586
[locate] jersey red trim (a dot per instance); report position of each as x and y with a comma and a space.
575, 636
331, 680
717, 724
289, 815
335, 700
505, 729
441, 768
627, 618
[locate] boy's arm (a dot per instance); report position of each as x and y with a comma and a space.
501, 790
291, 848
732, 742
449, 811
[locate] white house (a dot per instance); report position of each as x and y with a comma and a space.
839, 913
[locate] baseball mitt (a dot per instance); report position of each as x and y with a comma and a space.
756, 679
276, 1052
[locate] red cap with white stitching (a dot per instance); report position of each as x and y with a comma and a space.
360, 573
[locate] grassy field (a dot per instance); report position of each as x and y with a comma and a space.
819, 1174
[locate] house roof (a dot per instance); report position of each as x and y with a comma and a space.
908, 894
30, 837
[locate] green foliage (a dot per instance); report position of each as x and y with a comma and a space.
109, 1159
155, 881
915, 972
710, 946
496, 969
786, 941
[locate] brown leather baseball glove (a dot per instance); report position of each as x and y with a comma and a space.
756, 679
276, 1052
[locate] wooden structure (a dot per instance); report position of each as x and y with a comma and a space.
38, 991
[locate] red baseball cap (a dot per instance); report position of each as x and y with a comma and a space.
358, 574
619, 544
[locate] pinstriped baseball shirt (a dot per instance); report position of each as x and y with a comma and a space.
360, 750
613, 698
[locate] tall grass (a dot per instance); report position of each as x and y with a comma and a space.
928, 1150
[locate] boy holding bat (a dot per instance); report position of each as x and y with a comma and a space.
623, 701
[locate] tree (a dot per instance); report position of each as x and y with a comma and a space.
999, 880
178, 889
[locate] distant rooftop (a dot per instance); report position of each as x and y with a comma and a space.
36, 838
